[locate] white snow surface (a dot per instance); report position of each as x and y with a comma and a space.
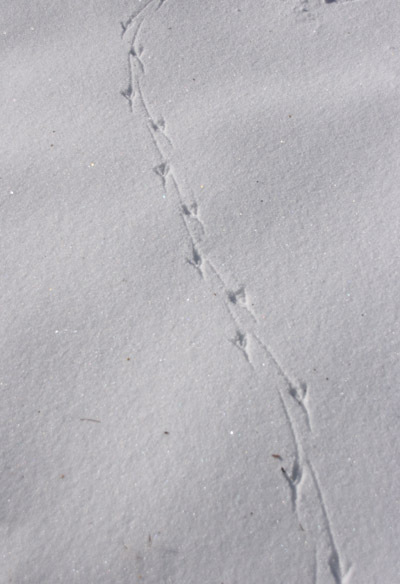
199, 225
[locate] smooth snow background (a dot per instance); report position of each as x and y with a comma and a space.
301, 210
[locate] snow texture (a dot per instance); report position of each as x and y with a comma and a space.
200, 292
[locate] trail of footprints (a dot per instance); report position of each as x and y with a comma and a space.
293, 395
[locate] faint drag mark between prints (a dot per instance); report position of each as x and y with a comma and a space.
293, 395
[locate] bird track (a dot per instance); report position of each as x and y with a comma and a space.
310, 8
293, 395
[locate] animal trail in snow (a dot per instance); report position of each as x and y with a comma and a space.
136, 55
129, 95
240, 341
235, 299
191, 217
162, 171
196, 260
127, 25
190, 210
160, 3
238, 297
158, 126
293, 479
335, 562
299, 393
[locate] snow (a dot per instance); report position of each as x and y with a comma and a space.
199, 245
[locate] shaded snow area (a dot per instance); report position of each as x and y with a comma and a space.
199, 225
